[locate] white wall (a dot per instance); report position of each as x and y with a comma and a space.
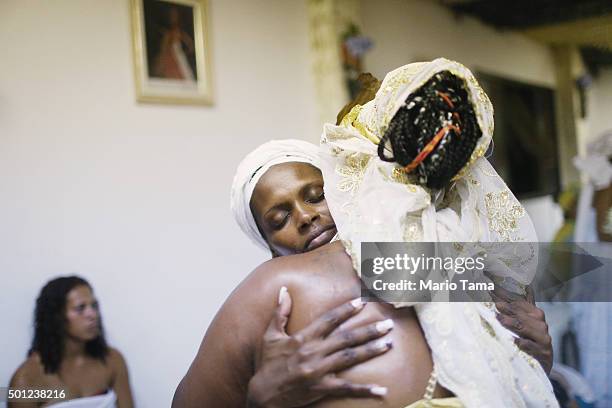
135, 197
406, 31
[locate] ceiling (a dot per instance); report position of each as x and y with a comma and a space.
584, 23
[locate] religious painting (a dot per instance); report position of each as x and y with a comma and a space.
171, 51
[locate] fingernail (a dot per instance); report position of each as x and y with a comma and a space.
281, 294
380, 391
384, 344
357, 303
384, 326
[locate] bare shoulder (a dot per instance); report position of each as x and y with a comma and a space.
317, 281
115, 359
328, 263
326, 269
30, 373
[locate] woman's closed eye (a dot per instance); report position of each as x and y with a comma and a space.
279, 219
314, 195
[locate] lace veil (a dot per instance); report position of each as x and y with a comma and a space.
372, 200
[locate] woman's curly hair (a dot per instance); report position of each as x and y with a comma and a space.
435, 132
50, 324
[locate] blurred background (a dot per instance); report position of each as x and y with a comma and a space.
135, 197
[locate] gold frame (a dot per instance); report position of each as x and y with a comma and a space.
146, 90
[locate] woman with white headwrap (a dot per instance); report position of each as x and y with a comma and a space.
251, 170
298, 184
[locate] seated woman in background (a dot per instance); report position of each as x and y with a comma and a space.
69, 352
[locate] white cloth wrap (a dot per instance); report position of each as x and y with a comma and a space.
370, 200
107, 400
253, 167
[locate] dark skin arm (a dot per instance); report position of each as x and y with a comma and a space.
121, 382
523, 317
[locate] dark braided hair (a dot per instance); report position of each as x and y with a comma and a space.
439, 109
50, 324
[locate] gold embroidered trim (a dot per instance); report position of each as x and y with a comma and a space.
487, 327
335, 151
352, 119
352, 172
400, 176
502, 215
348, 119
413, 231
366, 131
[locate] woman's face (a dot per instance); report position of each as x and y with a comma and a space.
290, 209
82, 315
174, 17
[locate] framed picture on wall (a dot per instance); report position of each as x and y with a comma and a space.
171, 51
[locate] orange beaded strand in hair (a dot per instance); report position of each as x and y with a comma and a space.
430, 146
436, 139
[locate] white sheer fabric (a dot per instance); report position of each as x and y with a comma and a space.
371, 200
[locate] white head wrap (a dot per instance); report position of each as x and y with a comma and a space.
253, 167
371, 200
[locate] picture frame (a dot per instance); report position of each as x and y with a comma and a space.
171, 51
